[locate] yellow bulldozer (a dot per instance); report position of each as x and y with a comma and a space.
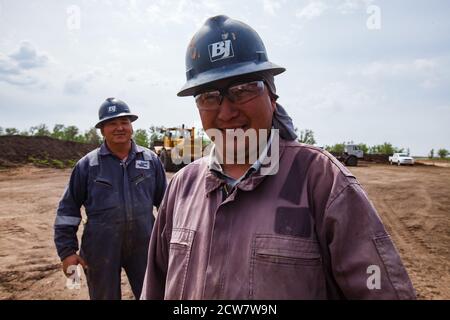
177, 146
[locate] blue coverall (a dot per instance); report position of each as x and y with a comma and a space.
118, 197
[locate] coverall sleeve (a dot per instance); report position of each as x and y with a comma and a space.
68, 215
363, 259
158, 253
161, 182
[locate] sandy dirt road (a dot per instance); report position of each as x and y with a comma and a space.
414, 203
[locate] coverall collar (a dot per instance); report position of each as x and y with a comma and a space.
135, 149
213, 182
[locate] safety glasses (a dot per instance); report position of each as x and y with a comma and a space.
240, 94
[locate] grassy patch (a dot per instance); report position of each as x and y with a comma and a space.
433, 160
52, 163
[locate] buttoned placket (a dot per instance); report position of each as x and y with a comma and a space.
220, 241
126, 189
222, 232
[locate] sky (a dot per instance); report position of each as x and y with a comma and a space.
357, 70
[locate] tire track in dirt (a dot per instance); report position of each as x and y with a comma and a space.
26, 229
418, 229
29, 261
406, 241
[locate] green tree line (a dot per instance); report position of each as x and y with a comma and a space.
72, 133
442, 153
60, 131
307, 136
146, 137
385, 148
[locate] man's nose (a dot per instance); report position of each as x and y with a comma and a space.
228, 110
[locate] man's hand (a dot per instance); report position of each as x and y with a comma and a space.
73, 260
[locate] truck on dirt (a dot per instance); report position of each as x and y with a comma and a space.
401, 158
352, 153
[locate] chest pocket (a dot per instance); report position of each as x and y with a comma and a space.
103, 196
179, 256
285, 267
143, 183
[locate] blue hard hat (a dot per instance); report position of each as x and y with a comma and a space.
224, 48
113, 108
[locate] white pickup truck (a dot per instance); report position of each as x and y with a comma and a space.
401, 158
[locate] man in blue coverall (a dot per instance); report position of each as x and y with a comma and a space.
118, 184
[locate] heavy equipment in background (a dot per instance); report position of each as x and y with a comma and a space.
352, 153
177, 146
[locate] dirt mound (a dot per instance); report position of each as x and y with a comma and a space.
18, 150
377, 158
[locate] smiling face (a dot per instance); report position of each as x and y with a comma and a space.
117, 131
255, 114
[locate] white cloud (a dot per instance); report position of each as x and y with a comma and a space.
27, 57
153, 12
424, 64
7, 66
270, 7
315, 8
426, 73
338, 97
152, 47
131, 77
77, 83
422, 67
19, 80
15, 67
350, 6
312, 10
165, 12
429, 83
378, 68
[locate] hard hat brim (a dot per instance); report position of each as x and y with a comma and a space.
132, 117
191, 86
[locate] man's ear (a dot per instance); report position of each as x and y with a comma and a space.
101, 131
273, 101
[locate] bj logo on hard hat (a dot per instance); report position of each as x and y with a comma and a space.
112, 109
220, 50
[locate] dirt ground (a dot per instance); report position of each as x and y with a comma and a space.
413, 202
